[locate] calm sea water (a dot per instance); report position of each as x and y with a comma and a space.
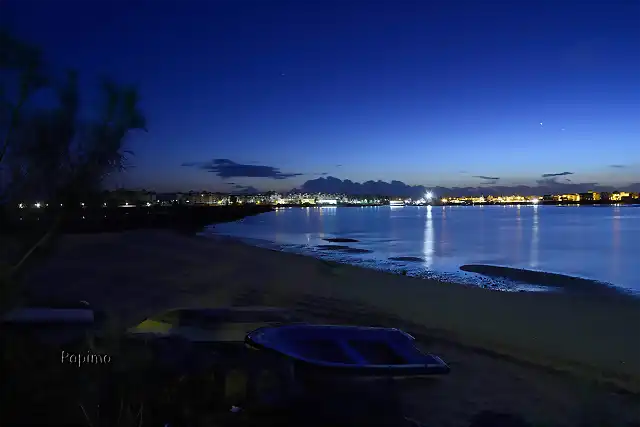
601, 243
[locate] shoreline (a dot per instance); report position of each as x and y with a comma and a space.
486, 276
611, 378
515, 308
550, 358
136, 274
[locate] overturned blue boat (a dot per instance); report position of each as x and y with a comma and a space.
366, 352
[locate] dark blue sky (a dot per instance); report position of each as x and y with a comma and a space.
426, 92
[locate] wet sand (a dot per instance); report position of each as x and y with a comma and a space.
572, 284
561, 360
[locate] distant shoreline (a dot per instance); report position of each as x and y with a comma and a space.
541, 203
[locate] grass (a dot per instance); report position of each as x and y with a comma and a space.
132, 390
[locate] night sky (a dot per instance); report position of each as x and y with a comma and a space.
271, 94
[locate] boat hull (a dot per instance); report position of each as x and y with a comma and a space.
347, 352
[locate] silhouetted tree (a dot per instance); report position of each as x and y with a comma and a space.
53, 154
59, 157
22, 74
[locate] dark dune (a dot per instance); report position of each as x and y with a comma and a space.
406, 258
341, 240
562, 281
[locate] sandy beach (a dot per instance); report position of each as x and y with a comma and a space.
554, 359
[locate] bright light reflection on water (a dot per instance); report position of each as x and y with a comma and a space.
600, 243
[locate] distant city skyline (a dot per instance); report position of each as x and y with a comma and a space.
396, 188
275, 94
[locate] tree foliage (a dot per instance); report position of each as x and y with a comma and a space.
56, 154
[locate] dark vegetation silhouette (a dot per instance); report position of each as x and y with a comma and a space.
54, 154
59, 155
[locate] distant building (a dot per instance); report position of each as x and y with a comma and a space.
617, 196
203, 198
589, 196
327, 201
569, 198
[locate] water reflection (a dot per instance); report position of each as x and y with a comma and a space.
518, 230
599, 243
615, 240
429, 242
328, 210
533, 250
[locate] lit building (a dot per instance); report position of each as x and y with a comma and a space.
619, 195
327, 202
569, 198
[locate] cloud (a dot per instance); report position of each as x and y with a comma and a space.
488, 180
225, 168
549, 175
618, 166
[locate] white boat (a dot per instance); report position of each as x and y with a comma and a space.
396, 203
